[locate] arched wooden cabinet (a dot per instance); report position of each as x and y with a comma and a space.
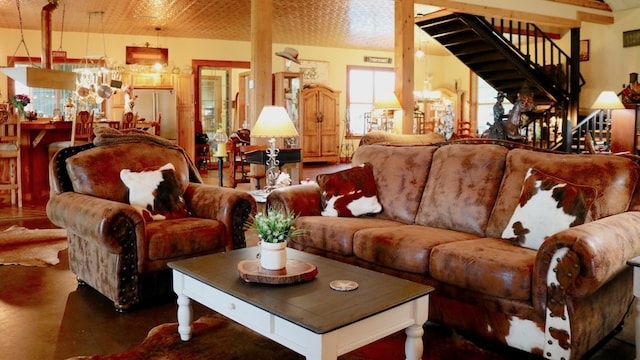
321, 124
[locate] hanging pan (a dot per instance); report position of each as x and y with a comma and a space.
105, 91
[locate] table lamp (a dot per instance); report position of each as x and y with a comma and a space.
387, 101
220, 138
607, 101
273, 122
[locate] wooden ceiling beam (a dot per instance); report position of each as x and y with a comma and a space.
574, 12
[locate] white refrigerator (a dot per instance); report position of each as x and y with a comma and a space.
152, 102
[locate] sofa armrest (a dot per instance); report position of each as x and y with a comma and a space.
583, 258
230, 206
301, 200
107, 223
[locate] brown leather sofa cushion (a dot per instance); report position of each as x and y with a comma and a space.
97, 171
336, 234
399, 190
404, 248
462, 187
489, 266
613, 177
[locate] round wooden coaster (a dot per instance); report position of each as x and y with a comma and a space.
343, 285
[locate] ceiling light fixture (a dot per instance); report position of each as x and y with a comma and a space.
158, 66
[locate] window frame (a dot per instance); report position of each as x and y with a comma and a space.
348, 130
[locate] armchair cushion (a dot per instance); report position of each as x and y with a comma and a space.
171, 239
547, 205
155, 192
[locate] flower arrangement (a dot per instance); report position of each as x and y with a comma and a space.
275, 226
19, 102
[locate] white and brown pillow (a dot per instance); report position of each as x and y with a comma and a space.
155, 192
547, 205
350, 192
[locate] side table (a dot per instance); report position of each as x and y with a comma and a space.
635, 262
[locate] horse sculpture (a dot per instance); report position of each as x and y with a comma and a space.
509, 129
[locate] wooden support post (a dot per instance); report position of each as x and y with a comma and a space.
404, 62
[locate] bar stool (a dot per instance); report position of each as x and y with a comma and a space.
10, 150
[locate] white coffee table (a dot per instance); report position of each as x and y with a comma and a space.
309, 318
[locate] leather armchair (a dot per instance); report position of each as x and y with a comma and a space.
112, 247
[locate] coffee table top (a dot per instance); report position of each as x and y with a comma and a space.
313, 304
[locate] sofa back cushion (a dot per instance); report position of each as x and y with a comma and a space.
400, 173
613, 178
462, 187
96, 171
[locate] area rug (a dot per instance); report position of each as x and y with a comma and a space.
215, 337
31, 247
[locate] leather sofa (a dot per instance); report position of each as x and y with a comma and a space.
445, 208
113, 247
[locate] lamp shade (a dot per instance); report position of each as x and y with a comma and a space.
387, 100
273, 122
220, 137
607, 100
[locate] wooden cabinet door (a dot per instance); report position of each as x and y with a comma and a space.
185, 127
184, 87
310, 127
321, 125
329, 126
153, 80
186, 130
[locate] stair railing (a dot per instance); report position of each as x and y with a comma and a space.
534, 44
595, 124
551, 63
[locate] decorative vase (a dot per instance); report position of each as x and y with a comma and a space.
273, 256
18, 114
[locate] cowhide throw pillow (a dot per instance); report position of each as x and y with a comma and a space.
350, 192
547, 205
155, 193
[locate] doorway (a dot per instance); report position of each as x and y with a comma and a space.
217, 86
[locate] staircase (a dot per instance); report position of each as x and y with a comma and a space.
515, 58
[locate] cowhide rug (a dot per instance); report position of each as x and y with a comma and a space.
31, 247
215, 337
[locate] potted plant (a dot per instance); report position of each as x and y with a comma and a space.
274, 228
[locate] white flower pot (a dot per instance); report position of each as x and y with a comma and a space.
273, 256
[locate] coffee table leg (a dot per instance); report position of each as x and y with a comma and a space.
185, 317
413, 346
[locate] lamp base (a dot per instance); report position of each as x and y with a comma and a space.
273, 169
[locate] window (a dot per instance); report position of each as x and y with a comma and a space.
364, 85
